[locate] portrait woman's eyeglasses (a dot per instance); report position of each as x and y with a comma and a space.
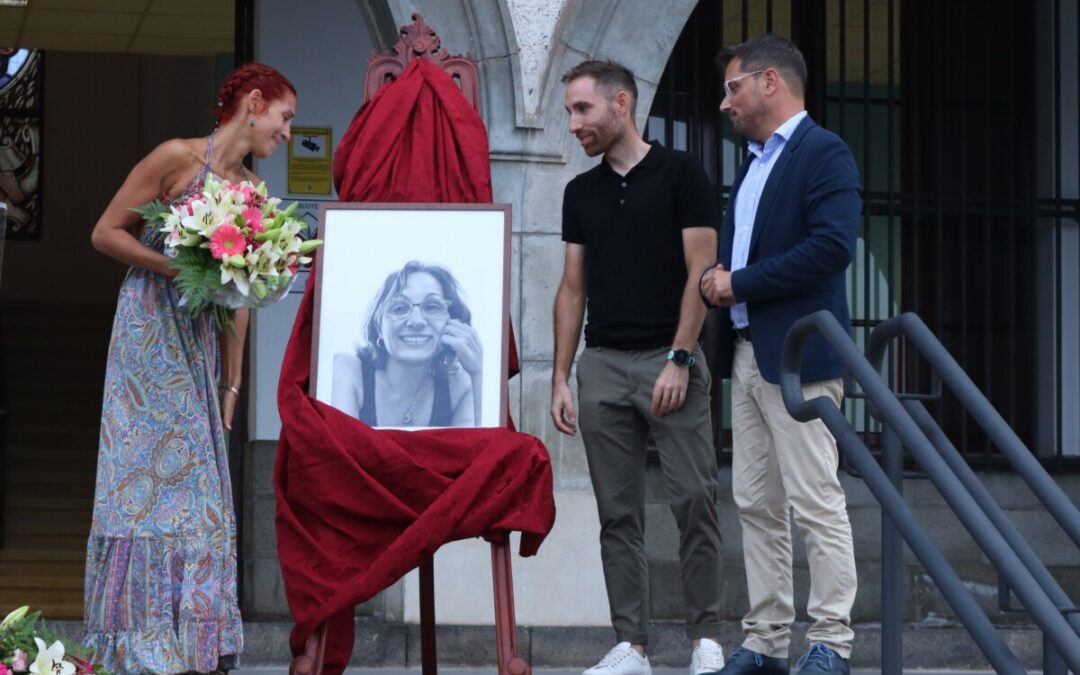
431, 308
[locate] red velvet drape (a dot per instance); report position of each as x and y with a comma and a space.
358, 508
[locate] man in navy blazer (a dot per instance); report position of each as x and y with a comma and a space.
788, 236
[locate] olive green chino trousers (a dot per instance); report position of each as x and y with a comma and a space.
615, 389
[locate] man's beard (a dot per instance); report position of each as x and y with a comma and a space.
607, 136
745, 123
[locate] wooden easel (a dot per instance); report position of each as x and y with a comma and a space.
419, 41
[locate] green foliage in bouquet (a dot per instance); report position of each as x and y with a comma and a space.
20, 632
198, 284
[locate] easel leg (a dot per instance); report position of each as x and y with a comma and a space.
505, 625
427, 617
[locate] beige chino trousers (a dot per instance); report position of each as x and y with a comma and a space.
781, 465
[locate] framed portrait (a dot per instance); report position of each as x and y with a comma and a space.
411, 307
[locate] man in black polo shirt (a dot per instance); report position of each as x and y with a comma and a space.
640, 230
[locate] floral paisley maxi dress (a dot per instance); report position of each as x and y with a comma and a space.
160, 587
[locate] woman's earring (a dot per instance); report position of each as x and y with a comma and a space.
251, 121
380, 344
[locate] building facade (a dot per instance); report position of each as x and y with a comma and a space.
963, 118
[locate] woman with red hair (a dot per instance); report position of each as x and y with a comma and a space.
160, 587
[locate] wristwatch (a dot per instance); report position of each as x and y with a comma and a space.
680, 357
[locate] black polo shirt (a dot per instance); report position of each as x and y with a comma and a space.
631, 227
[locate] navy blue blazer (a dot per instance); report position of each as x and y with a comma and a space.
803, 240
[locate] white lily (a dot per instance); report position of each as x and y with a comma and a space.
201, 217
50, 660
236, 276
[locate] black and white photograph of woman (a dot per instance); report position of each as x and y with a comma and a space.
419, 361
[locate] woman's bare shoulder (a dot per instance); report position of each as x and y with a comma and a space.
460, 384
347, 361
180, 150
171, 165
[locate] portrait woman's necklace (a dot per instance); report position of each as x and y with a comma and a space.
407, 417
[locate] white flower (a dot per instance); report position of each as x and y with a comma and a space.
200, 218
50, 661
236, 276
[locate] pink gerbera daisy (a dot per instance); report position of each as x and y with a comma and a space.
225, 241
253, 218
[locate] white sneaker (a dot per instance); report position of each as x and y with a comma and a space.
621, 660
708, 657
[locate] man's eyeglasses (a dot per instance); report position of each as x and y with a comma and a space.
728, 83
432, 308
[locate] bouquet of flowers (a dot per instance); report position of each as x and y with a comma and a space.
232, 246
25, 648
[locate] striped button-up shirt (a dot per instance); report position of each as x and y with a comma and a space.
746, 201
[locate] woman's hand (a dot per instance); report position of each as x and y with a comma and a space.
465, 341
229, 396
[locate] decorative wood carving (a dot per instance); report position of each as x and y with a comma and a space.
420, 41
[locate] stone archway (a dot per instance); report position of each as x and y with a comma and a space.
531, 128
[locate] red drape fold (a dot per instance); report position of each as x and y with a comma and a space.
358, 508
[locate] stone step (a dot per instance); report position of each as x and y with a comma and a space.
41, 568
41, 502
60, 451
54, 604
394, 648
83, 414
59, 314
39, 541
17, 492
28, 368
48, 523
393, 645
60, 395
33, 583
52, 520
36, 433
45, 467
27, 474
8, 555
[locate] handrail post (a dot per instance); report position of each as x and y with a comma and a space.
1053, 664
892, 563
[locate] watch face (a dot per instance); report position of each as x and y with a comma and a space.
681, 357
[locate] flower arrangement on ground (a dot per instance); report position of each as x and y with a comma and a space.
232, 246
28, 646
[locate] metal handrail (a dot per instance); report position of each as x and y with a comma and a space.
1016, 453
899, 420
981, 410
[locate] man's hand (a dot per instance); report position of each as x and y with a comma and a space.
669, 392
562, 408
716, 286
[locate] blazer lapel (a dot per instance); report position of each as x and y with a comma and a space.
775, 181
